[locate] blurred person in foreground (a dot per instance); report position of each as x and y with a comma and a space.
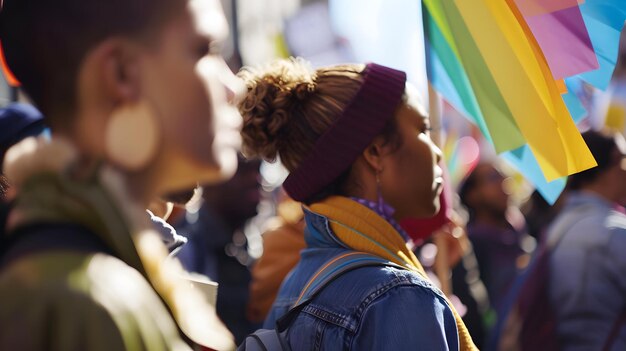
356, 141
19, 121
587, 285
217, 245
136, 101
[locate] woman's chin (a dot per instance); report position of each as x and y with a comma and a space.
436, 206
423, 212
432, 209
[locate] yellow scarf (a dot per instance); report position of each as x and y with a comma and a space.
364, 230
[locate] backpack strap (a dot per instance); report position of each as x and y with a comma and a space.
331, 270
263, 340
275, 339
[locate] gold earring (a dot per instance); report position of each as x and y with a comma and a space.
132, 135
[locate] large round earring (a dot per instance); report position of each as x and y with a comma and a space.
132, 135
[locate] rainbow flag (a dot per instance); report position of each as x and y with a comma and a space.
507, 64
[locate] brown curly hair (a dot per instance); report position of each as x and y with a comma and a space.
289, 106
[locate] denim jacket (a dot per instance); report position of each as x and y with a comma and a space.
369, 308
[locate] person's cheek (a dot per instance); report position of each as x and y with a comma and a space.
206, 71
234, 86
226, 120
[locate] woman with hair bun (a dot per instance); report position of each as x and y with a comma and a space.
355, 139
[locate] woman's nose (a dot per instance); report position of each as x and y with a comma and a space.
437, 151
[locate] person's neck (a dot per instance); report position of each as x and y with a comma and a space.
600, 189
492, 219
166, 174
141, 187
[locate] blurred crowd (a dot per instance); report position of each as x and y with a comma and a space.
131, 218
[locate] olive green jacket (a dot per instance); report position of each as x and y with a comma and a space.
66, 299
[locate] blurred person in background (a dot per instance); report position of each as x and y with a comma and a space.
587, 286
84, 268
442, 246
282, 242
497, 236
217, 245
17, 121
539, 214
450, 246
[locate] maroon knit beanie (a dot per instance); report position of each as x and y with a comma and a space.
363, 119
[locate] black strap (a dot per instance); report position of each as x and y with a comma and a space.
43, 237
259, 342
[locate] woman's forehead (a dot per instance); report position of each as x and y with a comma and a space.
415, 100
409, 115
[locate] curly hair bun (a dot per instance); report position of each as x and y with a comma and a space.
273, 92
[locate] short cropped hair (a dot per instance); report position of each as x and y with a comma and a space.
603, 147
45, 41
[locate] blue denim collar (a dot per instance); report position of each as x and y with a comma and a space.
317, 231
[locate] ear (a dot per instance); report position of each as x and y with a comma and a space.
108, 78
373, 154
119, 70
